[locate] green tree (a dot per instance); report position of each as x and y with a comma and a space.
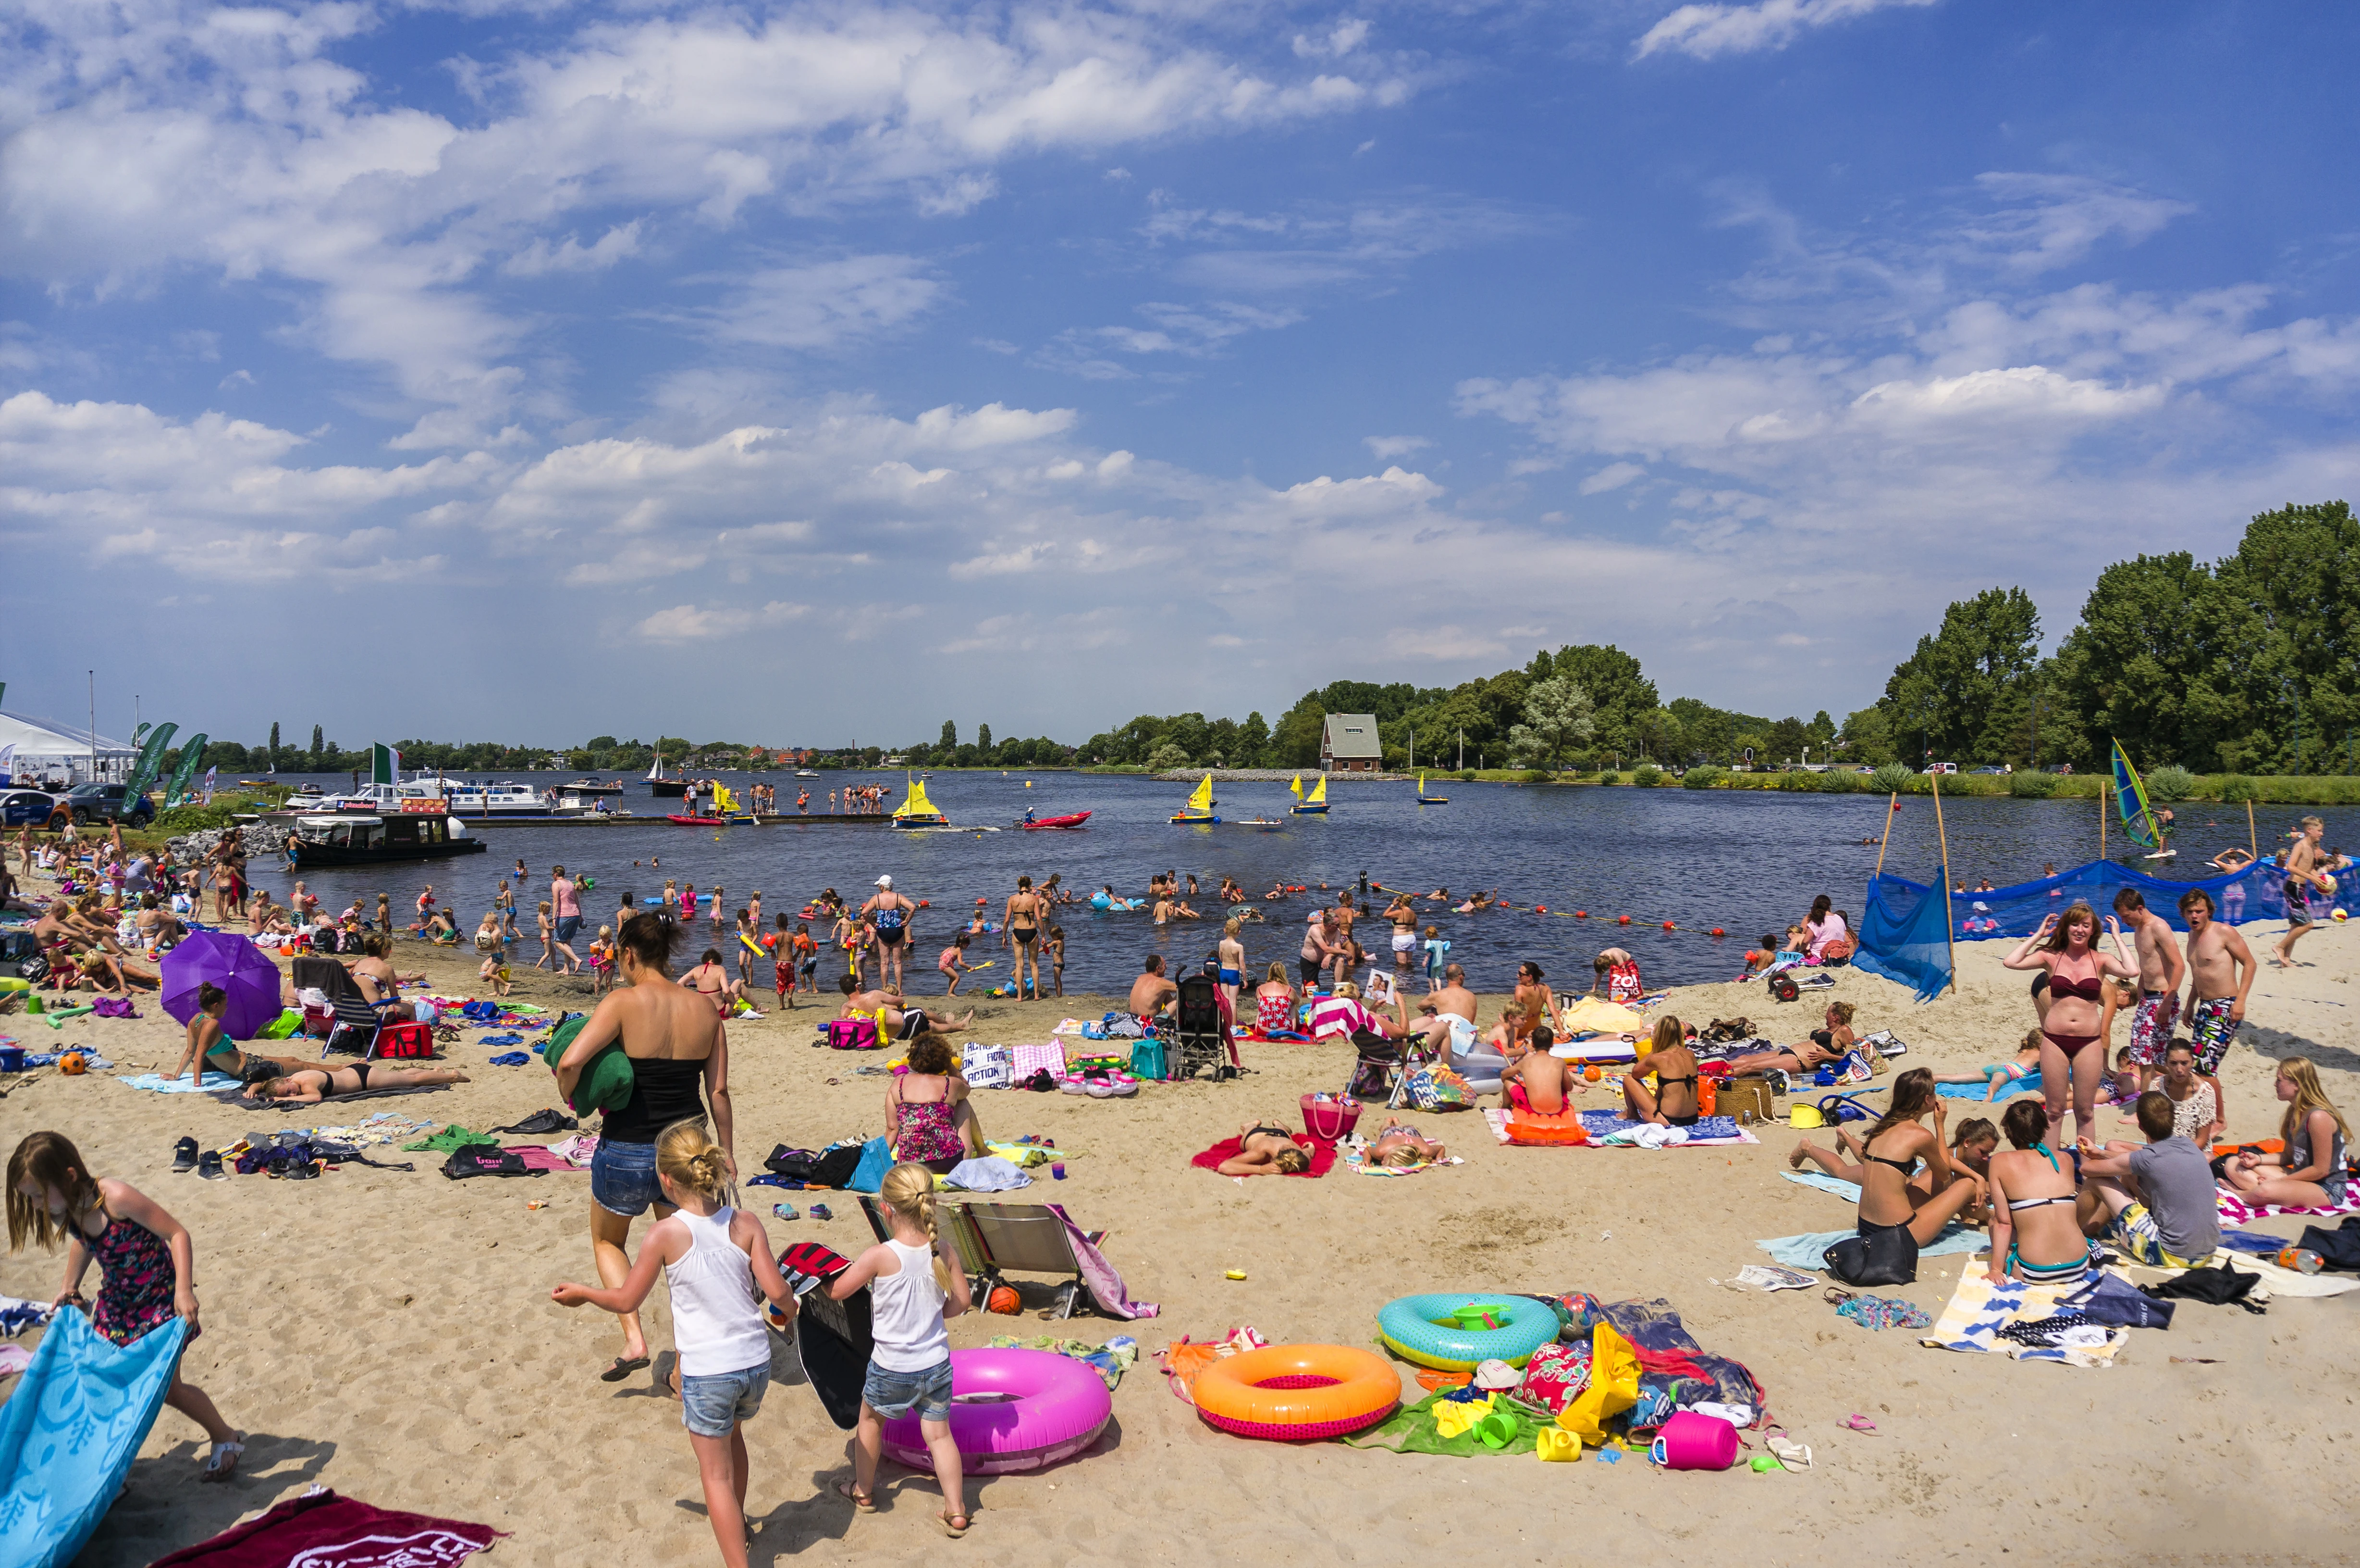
949, 741
318, 747
274, 743
1558, 717
1166, 757
1787, 738
1867, 737
1618, 690
983, 739
1954, 695
1253, 741
2295, 572
2163, 661
1295, 741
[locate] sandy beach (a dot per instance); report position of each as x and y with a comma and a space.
390, 1334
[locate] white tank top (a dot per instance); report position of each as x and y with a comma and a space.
905, 1313
716, 1325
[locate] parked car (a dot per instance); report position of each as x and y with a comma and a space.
108, 802
19, 807
1987, 770
1941, 768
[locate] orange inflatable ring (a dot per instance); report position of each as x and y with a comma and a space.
1529, 1128
1298, 1393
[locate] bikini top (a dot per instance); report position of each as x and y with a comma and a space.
2090, 988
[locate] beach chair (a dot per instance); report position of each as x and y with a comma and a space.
1197, 1035
357, 1021
994, 1239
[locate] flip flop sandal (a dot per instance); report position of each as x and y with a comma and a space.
1835, 1295
184, 1155
1859, 1423
622, 1367
222, 1464
863, 1502
1790, 1454
942, 1522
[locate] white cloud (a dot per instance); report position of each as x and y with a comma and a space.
1385, 448
2021, 392
540, 258
692, 623
1613, 476
822, 305
1705, 32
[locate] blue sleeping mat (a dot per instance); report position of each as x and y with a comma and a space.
69, 1431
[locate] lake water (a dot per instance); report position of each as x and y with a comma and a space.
1748, 861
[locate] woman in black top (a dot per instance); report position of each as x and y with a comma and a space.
680, 1061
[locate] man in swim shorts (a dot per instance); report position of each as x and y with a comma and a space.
2304, 871
2220, 971
2160, 972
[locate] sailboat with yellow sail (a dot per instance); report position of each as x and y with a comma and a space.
728, 807
1199, 808
917, 811
1316, 805
1425, 799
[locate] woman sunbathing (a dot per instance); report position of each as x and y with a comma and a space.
1400, 1144
2001, 1074
210, 1049
311, 1085
1266, 1148
1826, 1046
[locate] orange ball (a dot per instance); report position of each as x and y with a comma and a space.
71, 1063
1591, 1073
1005, 1301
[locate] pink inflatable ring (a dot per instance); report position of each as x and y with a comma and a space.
1011, 1410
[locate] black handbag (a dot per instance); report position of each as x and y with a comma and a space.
1883, 1257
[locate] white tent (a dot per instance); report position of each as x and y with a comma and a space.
47, 751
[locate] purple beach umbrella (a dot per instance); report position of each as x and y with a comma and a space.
237, 966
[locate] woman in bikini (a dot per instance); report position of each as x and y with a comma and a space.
2065, 947
210, 1049
1399, 1144
927, 1116
309, 1085
1533, 991
710, 980
1025, 914
1275, 1002
2035, 1236
1673, 1102
1890, 1154
1266, 1148
1827, 1045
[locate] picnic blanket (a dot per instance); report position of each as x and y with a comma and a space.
1323, 1156
1979, 1310
213, 1084
1810, 1250
321, 1528
69, 1432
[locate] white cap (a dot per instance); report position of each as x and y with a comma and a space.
885, 881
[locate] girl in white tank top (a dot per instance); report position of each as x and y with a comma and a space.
716, 1264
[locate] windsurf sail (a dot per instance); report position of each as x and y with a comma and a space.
2130, 803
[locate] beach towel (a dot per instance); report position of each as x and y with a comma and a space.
212, 1083
2236, 1210
1027, 1059
2027, 1084
1979, 1310
1356, 1159
1711, 1132
320, 1528
1323, 1156
238, 1097
1183, 1360
1419, 1428
1848, 1191
1809, 1251
1104, 1285
1109, 1360
1602, 1018
69, 1432
541, 1157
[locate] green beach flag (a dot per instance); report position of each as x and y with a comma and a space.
2130, 803
385, 765
151, 758
191, 756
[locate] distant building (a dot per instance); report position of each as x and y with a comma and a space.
1347, 744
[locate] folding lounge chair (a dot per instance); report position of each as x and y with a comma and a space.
993, 1239
357, 1021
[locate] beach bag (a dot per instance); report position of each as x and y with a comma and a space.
988, 1066
795, 1164
405, 1042
1887, 1257
483, 1160
1329, 1118
852, 1034
1555, 1375
1147, 1060
1438, 1089
834, 1166
875, 1158
1370, 1081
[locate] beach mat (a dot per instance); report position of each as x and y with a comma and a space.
69, 1431
1323, 1156
2027, 1084
320, 1528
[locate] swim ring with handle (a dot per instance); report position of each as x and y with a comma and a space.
1298, 1393
1425, 1329
1011, 1410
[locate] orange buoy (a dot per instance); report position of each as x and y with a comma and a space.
1621, 920
1718, 932
1540, 909
1668, 926
1582, 914
1896, 805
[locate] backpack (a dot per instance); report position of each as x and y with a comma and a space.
483, 1160
852, 1034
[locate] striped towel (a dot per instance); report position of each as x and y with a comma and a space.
2236, 1210
1979, 1310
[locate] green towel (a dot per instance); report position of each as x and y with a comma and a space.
450, 1141
1412, 1430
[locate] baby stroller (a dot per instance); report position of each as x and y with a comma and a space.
1198, 1032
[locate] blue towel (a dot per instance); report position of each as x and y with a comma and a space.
1848, 1191
512, 1059
2253, 1242
213, 1084
1809, 1251
1601, 1123
501, 1040
69, 1432
2027, 1084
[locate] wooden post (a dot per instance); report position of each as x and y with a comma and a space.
1885, 837
2252, 842
1950, 926
2102, 789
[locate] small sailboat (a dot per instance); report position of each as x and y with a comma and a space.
918, 811
1317, 804
2138, 819
1199, 808
1425, 799
726, 807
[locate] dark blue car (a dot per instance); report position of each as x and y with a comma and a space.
108, 802
19, 807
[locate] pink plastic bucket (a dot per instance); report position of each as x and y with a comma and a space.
1693, 1442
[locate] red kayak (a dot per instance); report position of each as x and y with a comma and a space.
694, 821
1075, 821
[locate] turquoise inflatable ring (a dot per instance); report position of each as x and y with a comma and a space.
1422, 1329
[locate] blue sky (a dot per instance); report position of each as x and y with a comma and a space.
805, 373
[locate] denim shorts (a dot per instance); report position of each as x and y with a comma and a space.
623, 1178
892, 1394
712, 1407
568, 928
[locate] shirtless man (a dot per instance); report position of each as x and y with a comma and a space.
1404, 916
2220, 971
2305, 870
1151, 991
899, 1023
2160, 972
1450, 1025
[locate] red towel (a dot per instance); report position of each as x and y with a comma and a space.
1323, 1155
325, 1528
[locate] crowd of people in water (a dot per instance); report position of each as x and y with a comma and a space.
2047, 1202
